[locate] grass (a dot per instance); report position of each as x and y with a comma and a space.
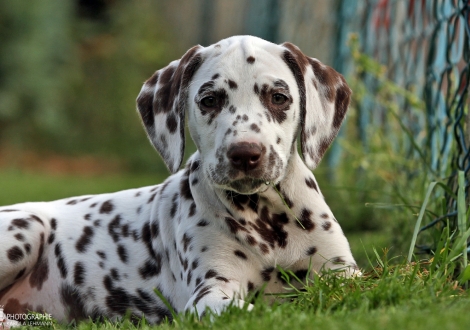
392, 294
403, 296
19, 186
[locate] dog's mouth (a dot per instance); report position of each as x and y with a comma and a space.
255, 181
248, 186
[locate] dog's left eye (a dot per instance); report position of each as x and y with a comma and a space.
209, 102
278, 99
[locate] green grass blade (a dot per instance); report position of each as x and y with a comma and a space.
420, 219
461, 212
167, 304
460, 242
465, 275
436, 260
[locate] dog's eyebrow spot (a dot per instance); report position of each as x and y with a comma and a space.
207, 86
250, 59
281, 84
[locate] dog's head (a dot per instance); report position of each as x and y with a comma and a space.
246, 100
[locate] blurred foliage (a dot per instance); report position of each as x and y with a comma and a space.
70, 73
381, 186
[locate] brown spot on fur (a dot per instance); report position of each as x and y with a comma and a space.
171, 123
240, 201
338, 260
311, 251
145, 106
271, 228
15, 254
20, 274
39, 274
13, 306
152, 81
107, 207
20, 223
166, 92
343, 94
326, 225
60, 261
19, 237
251, 240
240, 254
232, 84
266, 273
255, 128
210, 273
297, 67
203, 292
250, 59
234, 226
185, 189
85, 239
327, 77
301, 59
264, 248
311, 183
79, 274
324, 144
256, 89
186, 241
305, 221
73, 302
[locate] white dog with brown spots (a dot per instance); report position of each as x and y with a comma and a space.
245, 204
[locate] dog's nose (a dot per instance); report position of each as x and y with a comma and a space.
245, 156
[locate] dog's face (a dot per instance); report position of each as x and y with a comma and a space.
246, 100
243, 111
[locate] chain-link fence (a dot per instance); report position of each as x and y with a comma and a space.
425, 46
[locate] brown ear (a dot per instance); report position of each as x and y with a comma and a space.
161, 104
324, 100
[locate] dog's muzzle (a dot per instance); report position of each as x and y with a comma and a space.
247, 160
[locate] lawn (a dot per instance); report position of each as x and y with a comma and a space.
20, 186
392, 294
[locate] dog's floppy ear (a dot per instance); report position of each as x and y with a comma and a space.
161, 104
324, 100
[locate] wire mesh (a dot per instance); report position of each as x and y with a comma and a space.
425, 46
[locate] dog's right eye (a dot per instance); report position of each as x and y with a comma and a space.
279, 99
209, 102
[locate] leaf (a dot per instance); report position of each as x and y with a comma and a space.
420, 219
465, 275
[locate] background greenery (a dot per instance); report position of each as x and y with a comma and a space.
69, 75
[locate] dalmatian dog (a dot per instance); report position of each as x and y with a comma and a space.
245, 205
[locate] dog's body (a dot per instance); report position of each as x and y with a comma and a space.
245, 203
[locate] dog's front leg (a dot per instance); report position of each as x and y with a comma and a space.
216, 294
